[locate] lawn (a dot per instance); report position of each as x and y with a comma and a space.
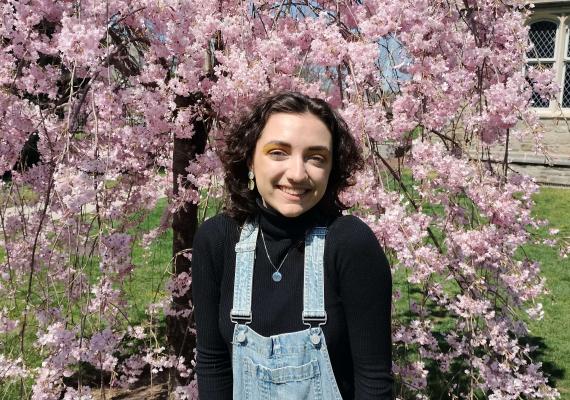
551, 334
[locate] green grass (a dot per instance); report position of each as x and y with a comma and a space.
16, 196
153, 266
145, 285
552, 334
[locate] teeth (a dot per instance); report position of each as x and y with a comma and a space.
292, 190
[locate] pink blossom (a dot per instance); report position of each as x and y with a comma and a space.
6, 324
106, 87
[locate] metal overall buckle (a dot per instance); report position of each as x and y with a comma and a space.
315, 324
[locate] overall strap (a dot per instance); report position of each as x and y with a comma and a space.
245, 257
313, 285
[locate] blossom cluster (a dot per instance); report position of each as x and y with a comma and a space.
106, 91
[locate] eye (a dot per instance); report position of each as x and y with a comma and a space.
277, 153
318, 159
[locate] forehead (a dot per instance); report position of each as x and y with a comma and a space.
296, 129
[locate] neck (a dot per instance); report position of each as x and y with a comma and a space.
276, 225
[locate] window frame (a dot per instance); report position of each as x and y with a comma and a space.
555, 61
565, 63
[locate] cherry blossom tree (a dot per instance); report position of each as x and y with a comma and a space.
128, 102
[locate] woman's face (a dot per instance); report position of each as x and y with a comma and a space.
292, 162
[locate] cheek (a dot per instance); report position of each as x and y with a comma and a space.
328, 178
322, 177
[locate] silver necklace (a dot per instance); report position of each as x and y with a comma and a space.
276, 276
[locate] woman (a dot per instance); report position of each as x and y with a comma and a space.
261, 331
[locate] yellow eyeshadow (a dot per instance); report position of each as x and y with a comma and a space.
269, 147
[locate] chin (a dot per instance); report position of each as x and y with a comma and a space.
292, 212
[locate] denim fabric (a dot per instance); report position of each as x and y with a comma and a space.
292, 366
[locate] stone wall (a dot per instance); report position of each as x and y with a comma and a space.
551, 167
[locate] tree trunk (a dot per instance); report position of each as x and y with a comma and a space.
184, 225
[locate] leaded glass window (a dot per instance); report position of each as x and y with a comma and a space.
542, 35
536, 99
566, 86
566, 82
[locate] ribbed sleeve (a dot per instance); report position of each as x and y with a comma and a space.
365, 286
214, 368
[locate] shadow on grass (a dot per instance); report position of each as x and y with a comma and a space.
553, 371
444, 385
147, 387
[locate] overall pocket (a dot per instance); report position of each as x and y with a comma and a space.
285, 383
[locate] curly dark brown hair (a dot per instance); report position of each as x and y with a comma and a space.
242, 138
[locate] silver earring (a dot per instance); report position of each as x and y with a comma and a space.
251, 182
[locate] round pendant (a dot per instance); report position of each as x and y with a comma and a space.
276, 276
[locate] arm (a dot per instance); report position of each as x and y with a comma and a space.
213, 361
366, 293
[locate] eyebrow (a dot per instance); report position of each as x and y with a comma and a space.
285, 144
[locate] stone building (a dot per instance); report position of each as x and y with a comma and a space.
550, 33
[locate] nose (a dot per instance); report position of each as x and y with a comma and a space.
297, 170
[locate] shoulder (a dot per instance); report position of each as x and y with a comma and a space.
218, 221
350, 229
213, 239
352, 244
216, 229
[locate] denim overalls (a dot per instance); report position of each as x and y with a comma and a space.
294, 365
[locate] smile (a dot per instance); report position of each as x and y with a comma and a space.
293, 191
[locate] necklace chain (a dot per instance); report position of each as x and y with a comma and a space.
269, 258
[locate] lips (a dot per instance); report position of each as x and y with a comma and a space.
297, 192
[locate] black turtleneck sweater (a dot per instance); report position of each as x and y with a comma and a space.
358, 290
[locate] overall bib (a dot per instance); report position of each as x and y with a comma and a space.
292, 366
